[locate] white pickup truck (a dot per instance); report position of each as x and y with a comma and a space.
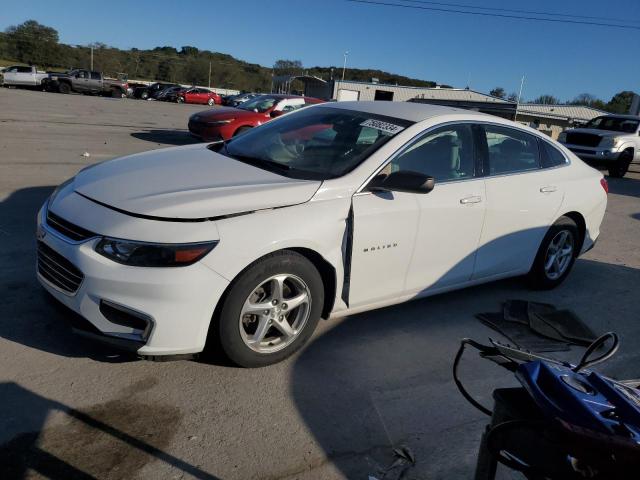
23, 76
610, 141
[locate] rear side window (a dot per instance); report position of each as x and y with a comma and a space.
95, 75
550, 156
24, 69
511, 151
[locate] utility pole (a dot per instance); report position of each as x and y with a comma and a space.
519, 98
344, 65
92, 58
209, 73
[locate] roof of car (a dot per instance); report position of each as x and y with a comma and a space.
415, 112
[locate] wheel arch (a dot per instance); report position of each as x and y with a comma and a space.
581, 223
326, 270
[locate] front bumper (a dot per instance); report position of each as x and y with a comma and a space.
594, 154
174, 305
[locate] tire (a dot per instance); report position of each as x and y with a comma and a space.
116, 93
179, 100
235, 330
621, 166
210, 102
144, 95
241, 130
64, 87
545, 275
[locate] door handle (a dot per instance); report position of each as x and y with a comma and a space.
471, 199
549, 189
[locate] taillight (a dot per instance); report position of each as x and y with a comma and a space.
604, 184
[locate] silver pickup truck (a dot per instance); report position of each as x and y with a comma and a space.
87, 81
610, 141
23, 76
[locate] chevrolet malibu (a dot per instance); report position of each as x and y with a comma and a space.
332, 210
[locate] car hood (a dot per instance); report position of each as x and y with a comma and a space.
224, 113
188, 183
595, 131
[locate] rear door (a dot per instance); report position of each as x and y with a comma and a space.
81, 81
95, 81
523, 200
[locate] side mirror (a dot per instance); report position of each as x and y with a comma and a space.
276, 113
403, 181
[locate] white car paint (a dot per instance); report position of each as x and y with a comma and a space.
405, 245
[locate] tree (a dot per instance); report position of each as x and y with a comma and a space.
512, 97
498, 92
620, 102
189, 51
546, 100
32, 42
287, 67
588, 100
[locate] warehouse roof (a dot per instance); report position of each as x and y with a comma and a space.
578, 112
438, 93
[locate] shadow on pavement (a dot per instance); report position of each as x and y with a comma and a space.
26, 317
624, 186
110, 440
166, 137
383, 379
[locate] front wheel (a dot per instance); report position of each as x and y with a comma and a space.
64, 88
144, 95
210, 102
271, 310
179, 100
621, 166
556, 255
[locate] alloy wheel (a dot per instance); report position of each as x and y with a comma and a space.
275, 313
559, 255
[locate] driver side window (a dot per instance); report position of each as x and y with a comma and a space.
446, 154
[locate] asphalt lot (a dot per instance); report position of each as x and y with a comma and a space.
73, 409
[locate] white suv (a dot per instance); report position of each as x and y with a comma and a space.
612, 141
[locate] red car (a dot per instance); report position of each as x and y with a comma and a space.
226, 122
199, 95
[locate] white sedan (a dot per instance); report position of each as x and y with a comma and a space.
336, 209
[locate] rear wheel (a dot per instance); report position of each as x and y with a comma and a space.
180, 100
271, 310
116, 93
210, 102
556, 255
64, 87
144, 95
621, 167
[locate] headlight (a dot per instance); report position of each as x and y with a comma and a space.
142, 254
609, 142
562, 138
220, 122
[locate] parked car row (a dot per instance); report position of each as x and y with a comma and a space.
77, 80
227, 122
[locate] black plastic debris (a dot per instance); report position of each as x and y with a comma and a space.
539, 326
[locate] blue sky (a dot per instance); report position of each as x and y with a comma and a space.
560, 59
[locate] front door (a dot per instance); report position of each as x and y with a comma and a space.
407, 243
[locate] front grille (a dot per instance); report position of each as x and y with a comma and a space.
67, 229
57, 270
586, 139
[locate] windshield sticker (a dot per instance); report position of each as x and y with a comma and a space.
382, 126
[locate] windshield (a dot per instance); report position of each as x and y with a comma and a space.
317, 143
259, 104
614, 124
